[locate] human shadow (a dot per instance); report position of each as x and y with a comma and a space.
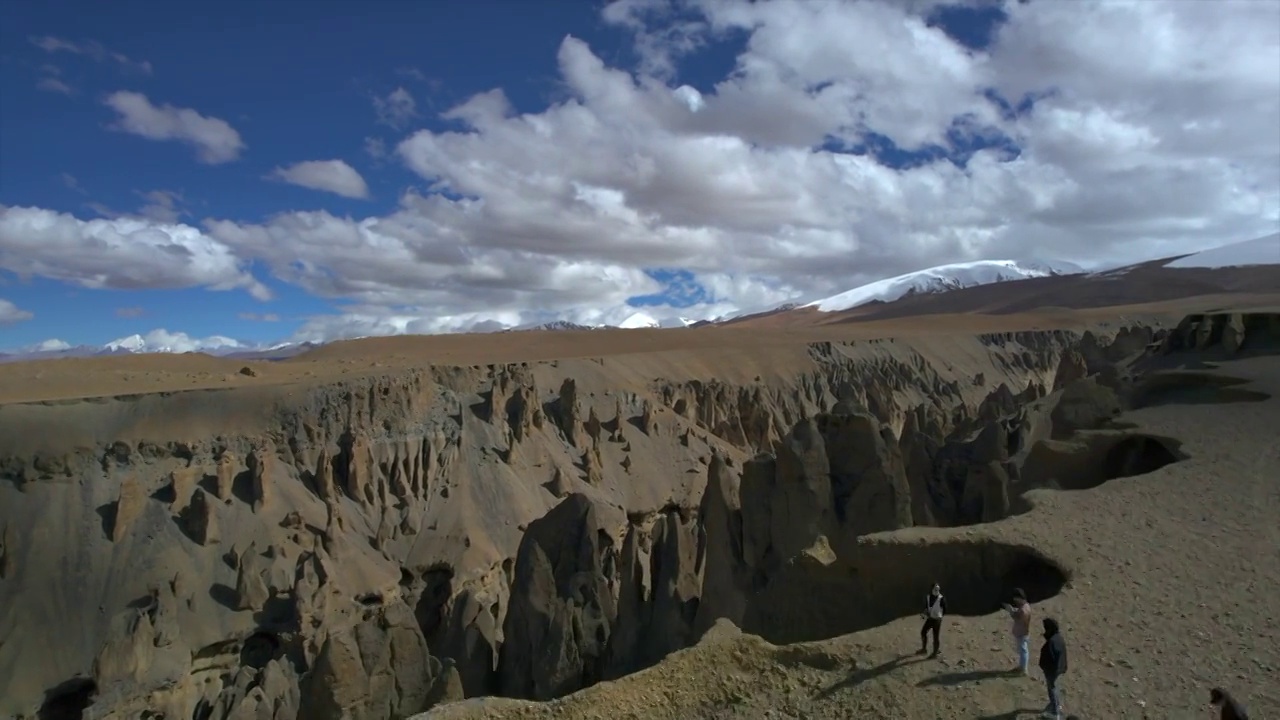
857, 677
1019, 713
960, 678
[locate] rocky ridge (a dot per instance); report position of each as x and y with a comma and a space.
373, 548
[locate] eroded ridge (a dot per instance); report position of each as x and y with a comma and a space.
377, 547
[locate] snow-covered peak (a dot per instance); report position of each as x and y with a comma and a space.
553, 325
133, 343
633, 321
162, 341
1262, 251
941, 279
639, 319
676, 322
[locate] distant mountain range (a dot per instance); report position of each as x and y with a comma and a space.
931, 281
136, 344
943, 279
635, 321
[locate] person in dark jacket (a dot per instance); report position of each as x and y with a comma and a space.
1231, 708
935, 606
1053, 663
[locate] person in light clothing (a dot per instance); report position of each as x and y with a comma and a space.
935, 606
1020, 611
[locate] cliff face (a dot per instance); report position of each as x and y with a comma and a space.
370, 548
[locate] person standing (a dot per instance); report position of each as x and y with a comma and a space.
1231, 709
1020, 610
1053, 663
935, 606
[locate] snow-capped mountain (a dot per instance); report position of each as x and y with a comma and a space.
643, 319
636, 320
941, 279
553, 325
160, 341
639, 320
1262, 251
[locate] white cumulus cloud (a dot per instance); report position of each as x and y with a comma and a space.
50, 345
121, 253
214, 139
744, 183
1131, 130
333, 176
10, 313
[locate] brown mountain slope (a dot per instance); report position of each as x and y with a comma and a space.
1146, 284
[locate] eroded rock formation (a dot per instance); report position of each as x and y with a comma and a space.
380, 668
562, 609
370, 548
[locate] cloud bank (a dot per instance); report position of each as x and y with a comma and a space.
125, 253
849, 142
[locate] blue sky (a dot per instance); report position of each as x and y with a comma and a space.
336, 83
292, 83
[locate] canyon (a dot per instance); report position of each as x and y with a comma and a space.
327, 539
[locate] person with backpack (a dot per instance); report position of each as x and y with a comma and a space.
1020, 611
1053, 663
935, 606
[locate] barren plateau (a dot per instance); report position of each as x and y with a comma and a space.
722, 522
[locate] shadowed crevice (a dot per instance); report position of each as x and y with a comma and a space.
1192, 388
68, 700
1096, 459
885, 581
